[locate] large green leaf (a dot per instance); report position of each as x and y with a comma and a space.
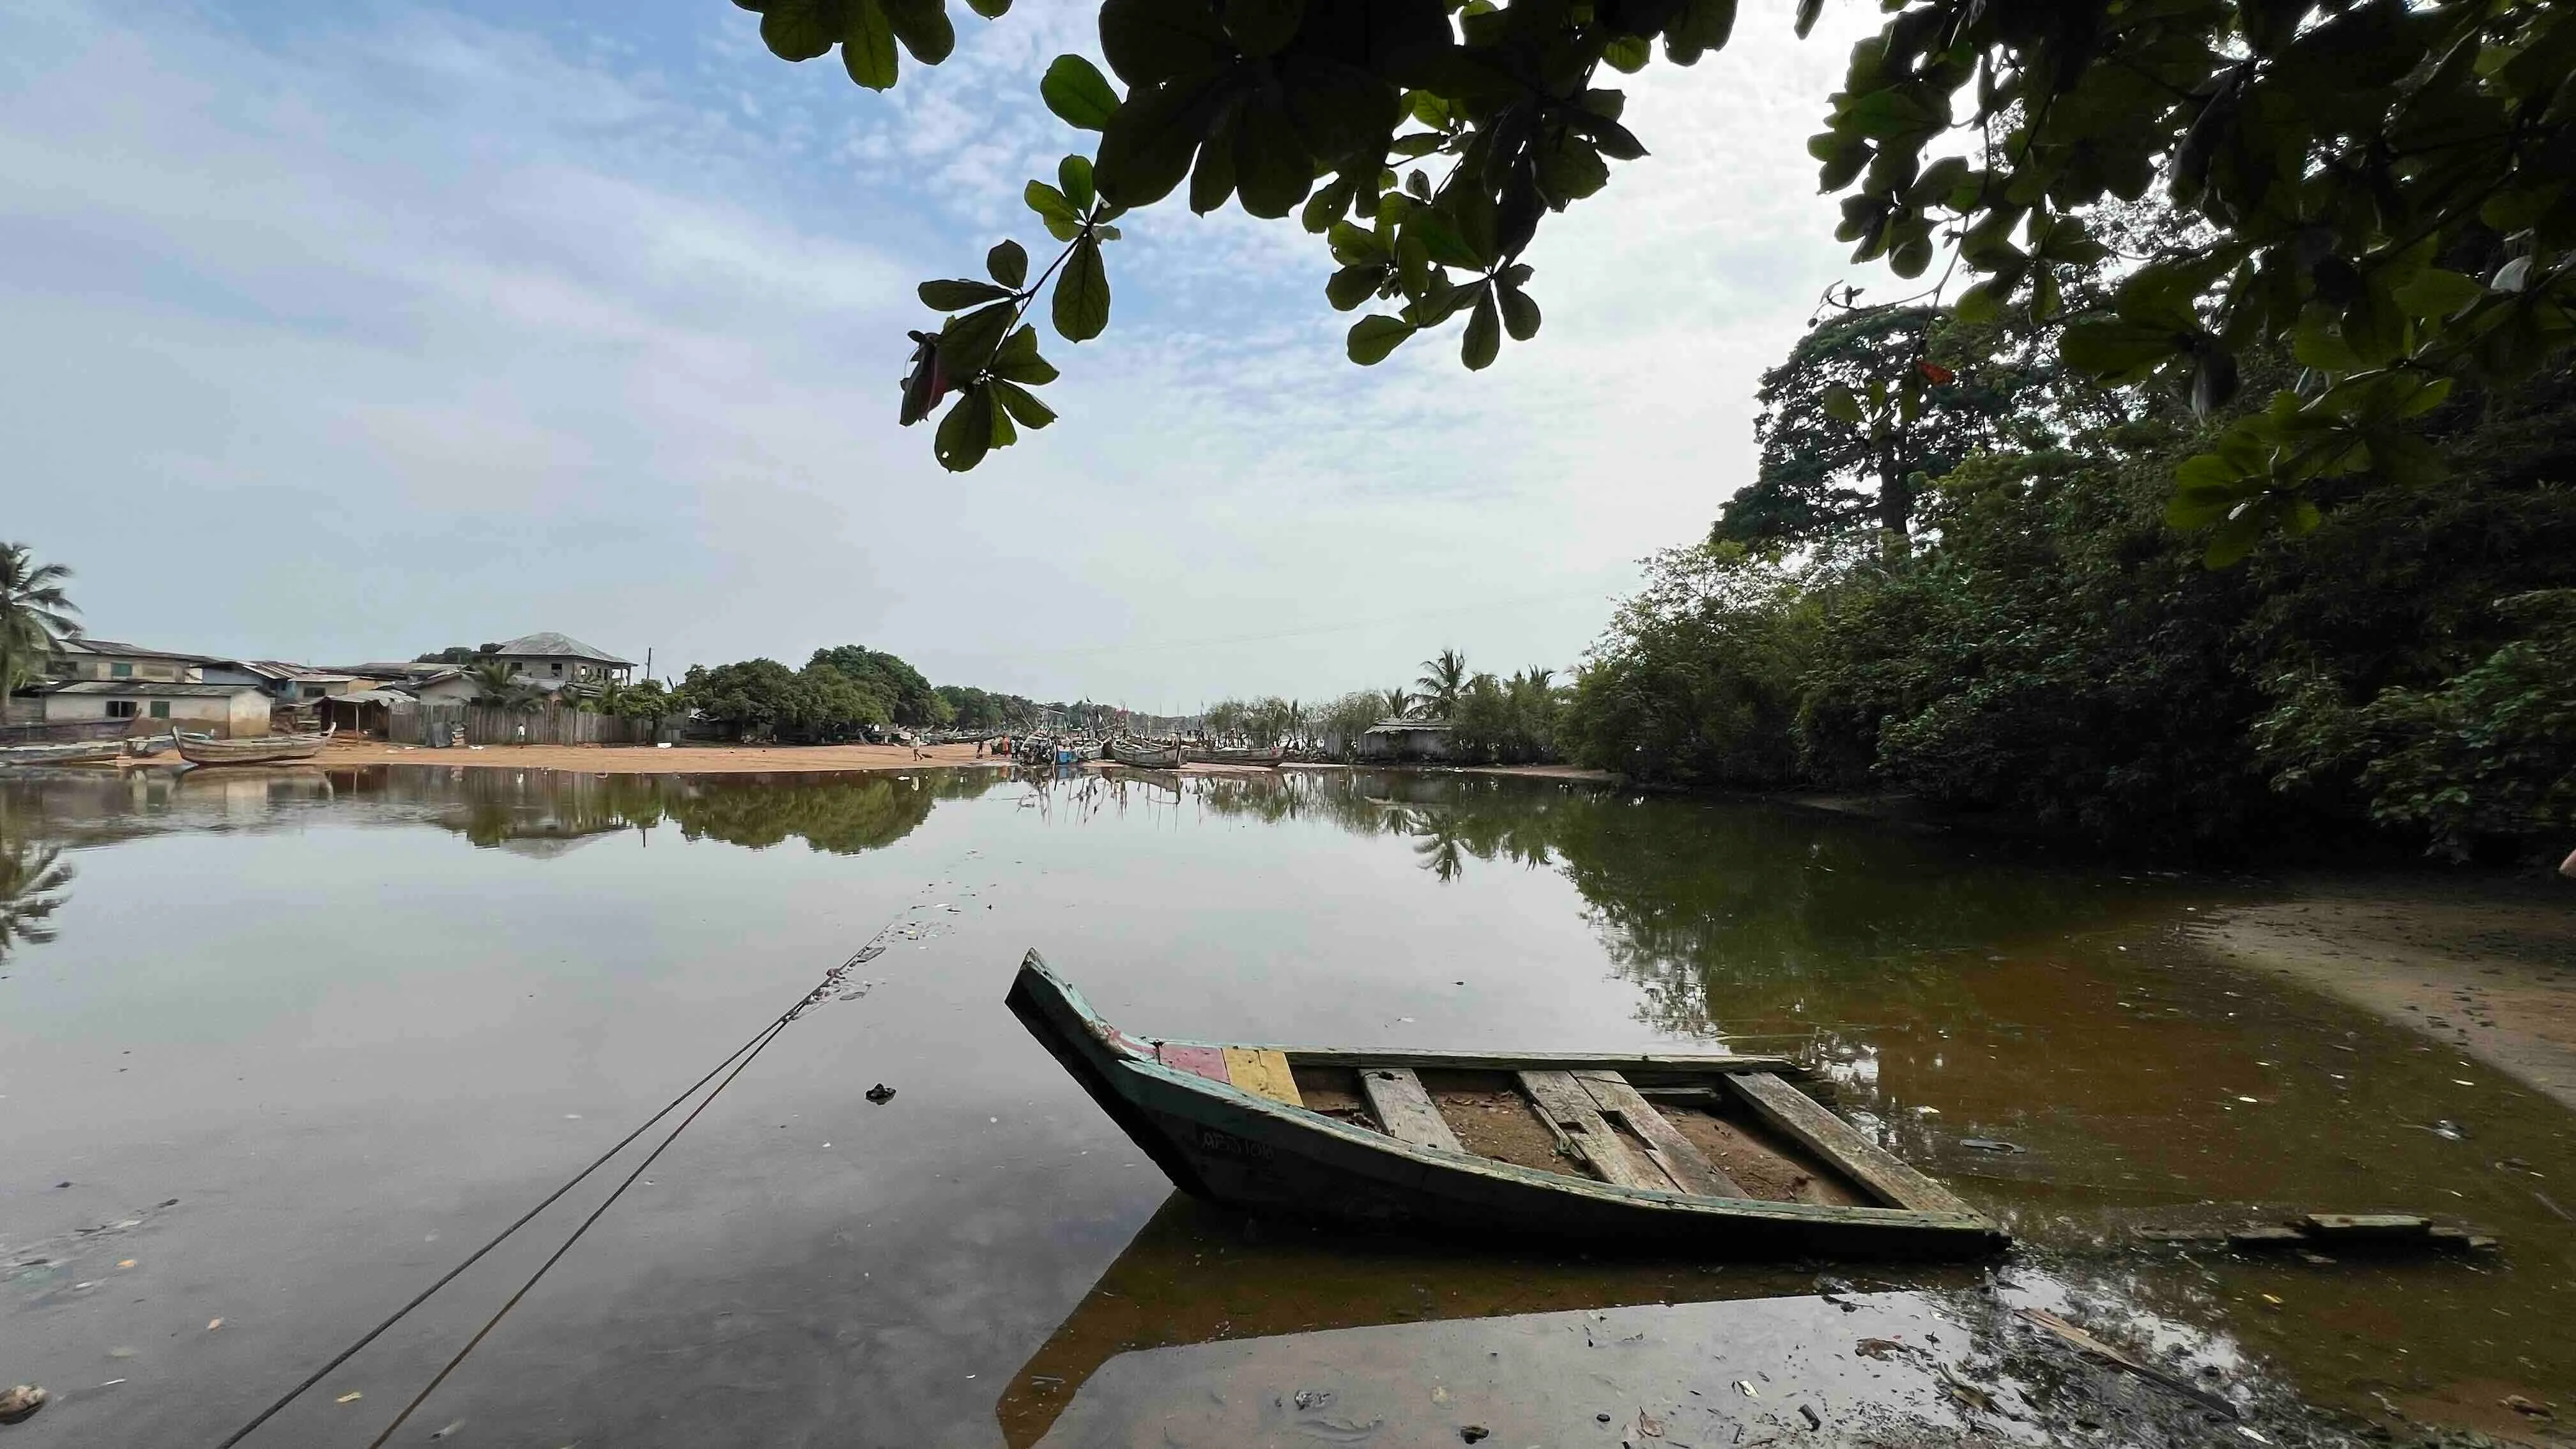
1352, 285
1372, 338
1212, 176
1443, 238
1008, 263
966, 434
1022, 405
968, 342
1148, 145
1343, 112
867, 45
1520, 314
1018, 360
957, 295
1073, 174
1078, 93
1273, 170
1082, 294
2116, 349
1156, 40
1840, 405
922, 26
1484, 339
1263, 27
801, 29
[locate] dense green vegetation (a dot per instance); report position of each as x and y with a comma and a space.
839, 695
1493, 719
2042, 641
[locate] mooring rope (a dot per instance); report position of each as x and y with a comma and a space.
738, 1059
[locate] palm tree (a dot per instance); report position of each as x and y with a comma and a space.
34, 614
1398, 704
1442, 681
498, 686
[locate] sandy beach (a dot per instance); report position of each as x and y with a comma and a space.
2488, 969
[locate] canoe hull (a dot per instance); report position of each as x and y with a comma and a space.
1232, 1147
1145, 757
262, 750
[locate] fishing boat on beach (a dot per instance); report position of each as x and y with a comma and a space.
1262, 759
254, 750
1715, 1154
1138, 755
67, 752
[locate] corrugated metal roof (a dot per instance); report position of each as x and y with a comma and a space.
149, 688
84, 644
550, 645
371, 696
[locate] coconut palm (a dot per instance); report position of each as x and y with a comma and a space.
1442, 681
34, 614
498, 686
1398, 704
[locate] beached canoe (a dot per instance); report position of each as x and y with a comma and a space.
1268, 758
70, 752
254, 750
1720, 1155
1137, 755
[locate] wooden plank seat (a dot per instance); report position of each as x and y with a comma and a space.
1397, 1099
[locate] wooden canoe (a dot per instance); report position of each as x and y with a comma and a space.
71, 752
1138, 756
1561, 1146
1268, 758
255, 750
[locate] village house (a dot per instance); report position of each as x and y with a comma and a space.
1405, 741
222, 709
550, 661
85, 658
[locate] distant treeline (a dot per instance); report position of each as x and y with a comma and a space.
839, 694
1493, 719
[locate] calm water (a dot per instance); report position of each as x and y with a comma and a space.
298, 1041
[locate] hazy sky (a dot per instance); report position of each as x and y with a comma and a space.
350, 331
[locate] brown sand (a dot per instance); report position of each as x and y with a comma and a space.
640, 760
2491, 970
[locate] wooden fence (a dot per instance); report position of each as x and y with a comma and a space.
460, 724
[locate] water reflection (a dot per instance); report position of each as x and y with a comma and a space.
35, 881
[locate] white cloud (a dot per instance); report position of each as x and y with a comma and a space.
368, 341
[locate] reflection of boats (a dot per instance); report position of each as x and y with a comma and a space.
256, 750
1269, 758
1137, 755
1727, 1158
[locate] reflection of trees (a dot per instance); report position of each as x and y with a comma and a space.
546, 812
1714, 909
35, 881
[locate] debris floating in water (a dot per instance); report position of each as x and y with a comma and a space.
880, 1094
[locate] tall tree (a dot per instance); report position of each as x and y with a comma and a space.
1444, 678
1399, 703
1858, 420
2384, 182
35, 614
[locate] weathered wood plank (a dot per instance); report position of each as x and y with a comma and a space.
1397, 1099
1878, 1171
1632, 1063
1563, 1102
1200, 1061
1678, 1156
1263, 1073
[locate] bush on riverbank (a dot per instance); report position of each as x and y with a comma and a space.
2047, 646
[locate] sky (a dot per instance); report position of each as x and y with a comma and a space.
342, 333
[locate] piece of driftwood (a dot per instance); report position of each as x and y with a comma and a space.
2042, 1318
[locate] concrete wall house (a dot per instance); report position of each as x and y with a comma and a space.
551, 661
107, 659
228, 710
1403, 741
